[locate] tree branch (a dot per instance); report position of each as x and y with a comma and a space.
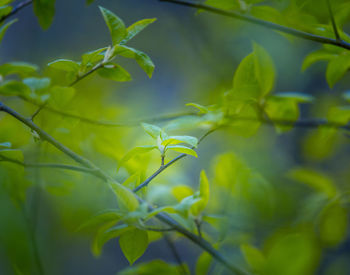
334, 25
16, 9
165, 166
48, 165
176, 254
99, 173
264, 23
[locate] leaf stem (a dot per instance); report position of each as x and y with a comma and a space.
264, 23
334, 25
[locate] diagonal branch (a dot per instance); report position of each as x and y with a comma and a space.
264, 23
101, 174
16, 9
334, 25
165, 166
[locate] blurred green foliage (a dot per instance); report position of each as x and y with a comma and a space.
254, 199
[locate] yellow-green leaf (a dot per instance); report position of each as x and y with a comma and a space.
133, 243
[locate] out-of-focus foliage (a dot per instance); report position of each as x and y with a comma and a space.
271, 201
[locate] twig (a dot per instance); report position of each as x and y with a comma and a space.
48, 165
163, 167
176, 254
101, 174
16, 9
111, 123
79, 78
264, 23
334, 25
33, 240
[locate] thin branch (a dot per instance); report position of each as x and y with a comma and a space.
264, 23
16, 9
176, 254
99, 173
48, 165
33, 240
112, 124
79, 78
334, 25
165, 166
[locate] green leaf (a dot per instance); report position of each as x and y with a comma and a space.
181, 191
65, 65
337, 68
334, 225
5, 10
133, 243
61, 96
104, 235
20, 68
296, 96
115, 25
14, 88
37, 84
319, 55
5, 145
45, 11
203, 263
141, 58
88, 2
106, 216
126, 199
254, 77
283, 110
134, 152
4, 28
114, 72
204, 187
314, 179
202, 109
153, 130
253, 257
137, 27
182, 149
180, 139
264, 69
92, 57
339, 115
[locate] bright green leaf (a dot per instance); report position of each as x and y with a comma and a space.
126, 198
134, 152
115, 25
182, 149
14, 88
65, 65
20, 68
337, 68
114, 72
133, 243
137, 27
153, 130
180, 139
141, 58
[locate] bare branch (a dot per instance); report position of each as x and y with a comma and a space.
16, 9
264, 23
